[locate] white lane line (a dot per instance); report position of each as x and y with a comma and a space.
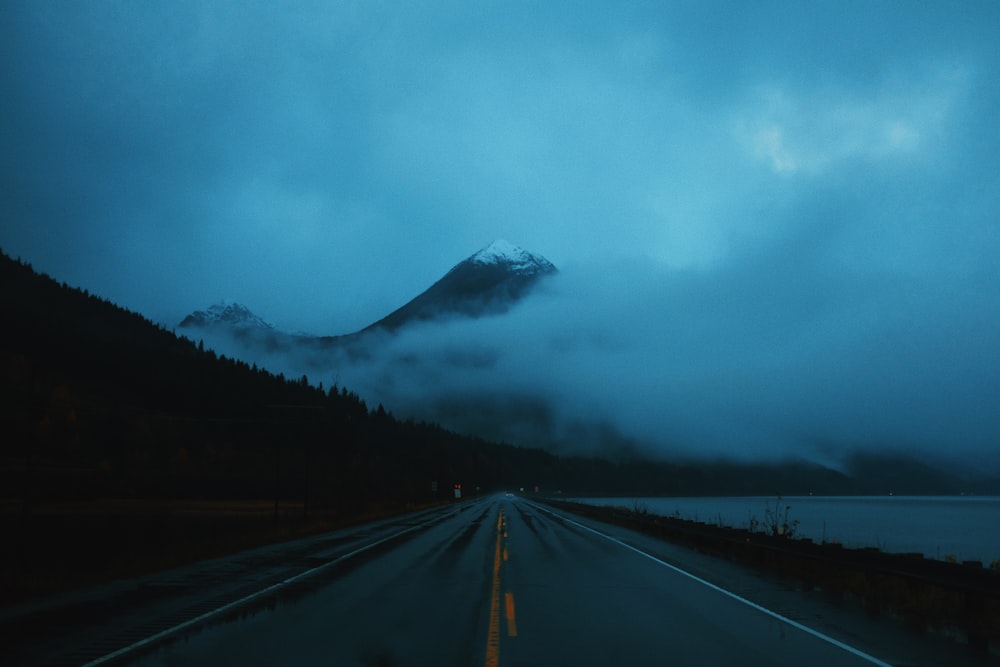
773, 614
152, 639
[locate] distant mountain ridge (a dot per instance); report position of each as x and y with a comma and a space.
488, 282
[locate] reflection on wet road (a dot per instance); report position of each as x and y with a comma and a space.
496, 581
505, 582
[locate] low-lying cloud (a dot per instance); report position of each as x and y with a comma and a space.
778, 355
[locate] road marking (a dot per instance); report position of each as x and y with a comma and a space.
511, 623
163, 634
773, 614
493, 631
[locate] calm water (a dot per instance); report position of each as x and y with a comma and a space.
966, 527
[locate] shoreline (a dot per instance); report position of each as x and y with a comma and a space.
958, 600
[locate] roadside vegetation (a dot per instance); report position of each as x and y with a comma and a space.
957, 600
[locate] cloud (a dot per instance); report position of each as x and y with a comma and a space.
777, 225
813, 131
775, 357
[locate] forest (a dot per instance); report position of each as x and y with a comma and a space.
139, 449
101, 402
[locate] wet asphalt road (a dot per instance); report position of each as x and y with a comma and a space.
506, 582
496, 581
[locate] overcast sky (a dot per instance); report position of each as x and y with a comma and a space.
801, 195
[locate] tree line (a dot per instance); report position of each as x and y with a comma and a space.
98, 402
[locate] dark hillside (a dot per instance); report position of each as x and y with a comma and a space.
100, 402
110, 423
134, 449
97, 402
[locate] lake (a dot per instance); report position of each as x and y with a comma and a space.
962, 527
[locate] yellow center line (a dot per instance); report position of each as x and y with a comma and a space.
493, 632
511, 624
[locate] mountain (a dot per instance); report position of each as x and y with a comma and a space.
488, 282
109, 404
228, 314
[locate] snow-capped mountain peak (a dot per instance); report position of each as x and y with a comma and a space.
517, 259
486, 283
226, 312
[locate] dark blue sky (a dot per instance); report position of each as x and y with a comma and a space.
780, 220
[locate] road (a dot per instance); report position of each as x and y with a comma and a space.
497, 581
